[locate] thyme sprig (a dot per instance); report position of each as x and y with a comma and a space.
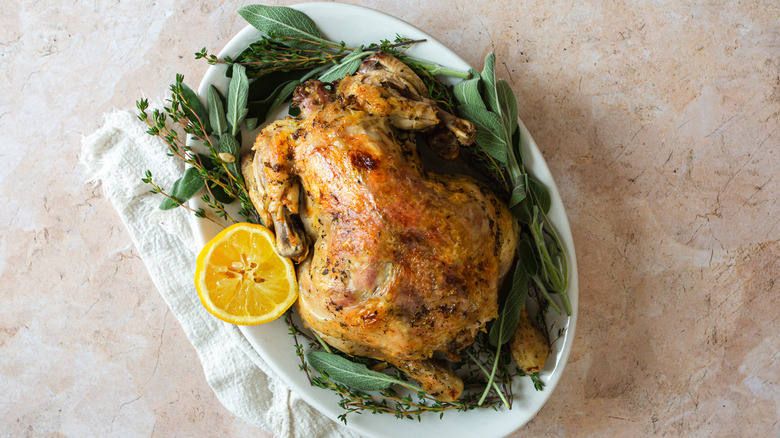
279, 54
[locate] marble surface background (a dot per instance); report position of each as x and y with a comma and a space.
659, 121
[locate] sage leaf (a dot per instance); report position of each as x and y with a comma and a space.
283, 96
489, 131
341, 70
492, 144
523, 211
467, 91
217, 112
261, 108
518, 194
508, 105
270, 82
489, 81
354, 375
347, 66
194, 109
526, 256
230, 146
283, 21
238, 93
541, 195
220, 194
183, 189
506, 324
482, 117
251, 123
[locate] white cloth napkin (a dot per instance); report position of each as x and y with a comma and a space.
117, 155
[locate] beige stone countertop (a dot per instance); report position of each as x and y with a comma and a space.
659, 121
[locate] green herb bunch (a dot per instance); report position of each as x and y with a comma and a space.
214, 165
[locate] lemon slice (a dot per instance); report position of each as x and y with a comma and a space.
241, 279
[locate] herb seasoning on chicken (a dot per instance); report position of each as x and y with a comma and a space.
395, 263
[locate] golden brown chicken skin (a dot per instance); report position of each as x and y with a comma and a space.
396, 263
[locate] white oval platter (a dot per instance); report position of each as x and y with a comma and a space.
357, 25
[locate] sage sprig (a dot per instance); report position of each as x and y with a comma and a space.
306, 47
491, 105
216, 173
488, 104
504, 327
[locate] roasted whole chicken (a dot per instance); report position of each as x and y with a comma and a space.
395, 262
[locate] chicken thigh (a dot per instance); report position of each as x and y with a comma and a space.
395, 263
